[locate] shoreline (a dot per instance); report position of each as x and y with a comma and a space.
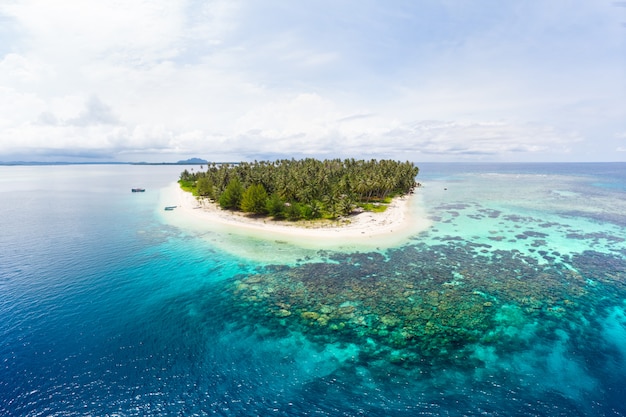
389, 228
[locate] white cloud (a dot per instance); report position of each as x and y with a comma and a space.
16, 107
159, 79
87, 30
17, 69
95, 113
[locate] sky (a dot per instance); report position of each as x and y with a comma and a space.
233, 80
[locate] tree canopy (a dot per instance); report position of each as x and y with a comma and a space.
301, 189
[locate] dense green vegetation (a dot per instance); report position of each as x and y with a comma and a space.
302, 189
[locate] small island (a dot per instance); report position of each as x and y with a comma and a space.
302, 190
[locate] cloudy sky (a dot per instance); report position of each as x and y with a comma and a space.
428, 80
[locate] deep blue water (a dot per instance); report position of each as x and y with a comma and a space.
512, 304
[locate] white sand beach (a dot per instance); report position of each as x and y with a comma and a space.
401, 219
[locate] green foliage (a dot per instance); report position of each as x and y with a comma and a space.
317, 209
186, 176
254, 199
314, 188
293, 211
306, 212
345, 205
275, 206
231, 197
374, 207
204, 187
188, 185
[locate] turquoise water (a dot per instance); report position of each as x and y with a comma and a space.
512, 303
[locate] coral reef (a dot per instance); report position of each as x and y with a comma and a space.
431, 304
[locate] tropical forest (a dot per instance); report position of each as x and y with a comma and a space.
302, 189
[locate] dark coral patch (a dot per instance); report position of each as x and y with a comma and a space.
424, 304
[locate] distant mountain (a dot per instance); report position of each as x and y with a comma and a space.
193, 161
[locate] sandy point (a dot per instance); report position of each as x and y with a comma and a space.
404, 218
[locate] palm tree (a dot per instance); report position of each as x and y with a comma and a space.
315, 186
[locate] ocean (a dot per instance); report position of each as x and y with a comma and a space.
513, 303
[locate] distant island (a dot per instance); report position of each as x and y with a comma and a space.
193, 161
304, 189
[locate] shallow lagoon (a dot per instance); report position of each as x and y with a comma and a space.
513, 303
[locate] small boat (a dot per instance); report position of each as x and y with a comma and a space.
138, 190
170, 208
